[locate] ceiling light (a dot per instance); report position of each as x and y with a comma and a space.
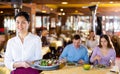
111, 2
43, 11
63, 13
61, 9
51, 9
1, 11
76, 11
64, 3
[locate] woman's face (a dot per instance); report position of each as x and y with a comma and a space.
104, 42
92, 34
22, 24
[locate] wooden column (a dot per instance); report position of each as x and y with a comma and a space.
33, 18
57, 28
31, 8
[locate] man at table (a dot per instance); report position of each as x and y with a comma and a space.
75, 52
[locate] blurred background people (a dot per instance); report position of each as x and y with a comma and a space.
24, 48
44, 37
3, 41
75, 52
91, 42
104, 54
116, 43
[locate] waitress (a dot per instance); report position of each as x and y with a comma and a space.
24, 48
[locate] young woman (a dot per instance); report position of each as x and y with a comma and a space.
24, 48
104, 54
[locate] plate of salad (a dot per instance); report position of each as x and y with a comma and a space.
46, 64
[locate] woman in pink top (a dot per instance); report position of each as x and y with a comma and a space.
104, 54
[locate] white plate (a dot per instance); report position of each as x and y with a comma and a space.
37, 65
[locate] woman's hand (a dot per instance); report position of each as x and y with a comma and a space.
21, 64
97, 57
112, 63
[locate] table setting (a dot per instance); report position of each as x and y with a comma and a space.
54, 66
47, 64
74, 68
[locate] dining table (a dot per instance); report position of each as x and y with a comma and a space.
79, 70
3, 69
56, 43
66, 70
45, 50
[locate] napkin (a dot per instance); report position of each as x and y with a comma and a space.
2, 64
115, 69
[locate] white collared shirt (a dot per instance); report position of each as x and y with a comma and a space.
29, 50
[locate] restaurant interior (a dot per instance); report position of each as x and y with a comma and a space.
62, 19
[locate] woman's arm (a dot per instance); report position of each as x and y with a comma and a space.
113, 57
8, 60
94, 55
21, 64
38, 49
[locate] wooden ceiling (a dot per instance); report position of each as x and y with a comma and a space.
105, 7
70, 1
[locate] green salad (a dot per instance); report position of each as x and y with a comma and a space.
48, 62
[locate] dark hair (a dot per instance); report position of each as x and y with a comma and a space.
43, 28
109, 45
76, 37
24, 14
